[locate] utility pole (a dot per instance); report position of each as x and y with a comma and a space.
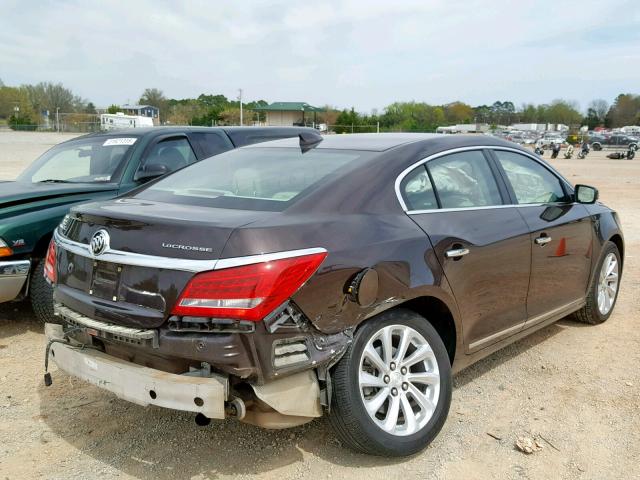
240, 98
16, 115
58, 119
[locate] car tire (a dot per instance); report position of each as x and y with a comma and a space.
41, 294
349, 417
596, 146
593, 312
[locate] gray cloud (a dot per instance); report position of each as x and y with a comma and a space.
361, 53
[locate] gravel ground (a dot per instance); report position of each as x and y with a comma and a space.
19, 149
576, 388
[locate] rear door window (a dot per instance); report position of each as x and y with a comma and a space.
417, 190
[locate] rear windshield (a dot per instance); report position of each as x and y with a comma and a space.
268, 179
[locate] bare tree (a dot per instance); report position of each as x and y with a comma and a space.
155, 97
600, 107
51, 96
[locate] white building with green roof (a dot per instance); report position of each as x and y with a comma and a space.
287, 114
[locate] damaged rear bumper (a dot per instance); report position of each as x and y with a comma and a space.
271, 350
141, 385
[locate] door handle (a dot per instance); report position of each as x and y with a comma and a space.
457, 252
542, 240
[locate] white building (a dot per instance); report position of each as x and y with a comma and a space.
119, 121
288, 114
464, 128
539, 127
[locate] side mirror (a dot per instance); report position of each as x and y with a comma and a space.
586, 194
149, 172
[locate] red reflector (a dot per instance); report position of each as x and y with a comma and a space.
248, 292
50, 264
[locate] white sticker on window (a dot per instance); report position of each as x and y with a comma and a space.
119, 141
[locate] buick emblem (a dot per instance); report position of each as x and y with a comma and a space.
99, 242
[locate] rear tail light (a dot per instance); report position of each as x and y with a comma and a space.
248, 292
50, 264
5, 250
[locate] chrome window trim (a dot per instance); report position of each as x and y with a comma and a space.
172, 263
532, 156
490, 207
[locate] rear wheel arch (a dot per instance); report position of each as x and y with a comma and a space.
438, 314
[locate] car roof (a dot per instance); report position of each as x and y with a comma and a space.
139, 132
374, 142
381, 142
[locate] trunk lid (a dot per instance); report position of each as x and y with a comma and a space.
140, 295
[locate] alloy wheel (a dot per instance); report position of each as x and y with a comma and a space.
608, 284
399, 380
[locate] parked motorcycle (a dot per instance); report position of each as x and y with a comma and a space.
584, 151
539, 151
555, 150
569, 153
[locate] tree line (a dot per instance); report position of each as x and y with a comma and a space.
420, 116
205, 110
24, 105
208, 109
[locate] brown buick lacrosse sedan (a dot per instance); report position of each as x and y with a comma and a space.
346, 275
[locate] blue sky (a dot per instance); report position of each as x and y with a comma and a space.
346, 53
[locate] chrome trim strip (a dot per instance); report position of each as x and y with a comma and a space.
489, 207
407, 170
128, 332
494, 336
544, 316
16, 268
521, 326
266, 257
135, 259
196, 266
